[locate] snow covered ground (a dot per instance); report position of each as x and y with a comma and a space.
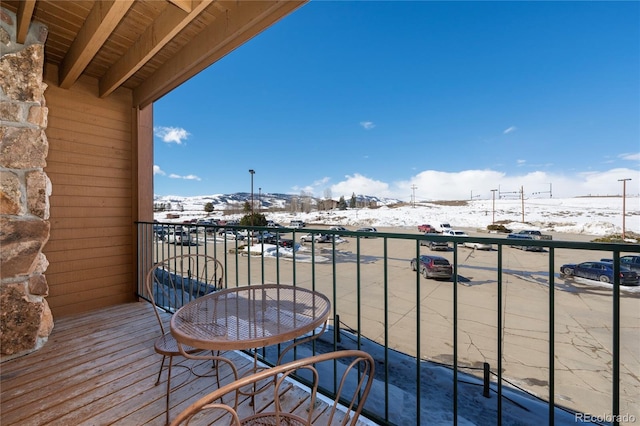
589, 215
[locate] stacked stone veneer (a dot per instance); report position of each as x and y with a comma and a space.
25, 318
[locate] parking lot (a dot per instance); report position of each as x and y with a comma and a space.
385, 306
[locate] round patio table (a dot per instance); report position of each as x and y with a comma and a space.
250, 317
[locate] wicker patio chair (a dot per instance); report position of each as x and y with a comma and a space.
276, 400
172, 283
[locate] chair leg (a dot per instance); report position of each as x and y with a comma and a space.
168, 387
216, 366
160, 372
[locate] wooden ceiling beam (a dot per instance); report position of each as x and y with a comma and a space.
185, 5
25, 12
242, 21
162, 30
102, 20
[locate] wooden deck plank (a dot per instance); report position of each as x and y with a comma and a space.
100, 368
95, 354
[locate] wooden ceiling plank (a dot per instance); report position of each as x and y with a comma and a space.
160, 32
243, 21
25, 12
185, 5
102, 20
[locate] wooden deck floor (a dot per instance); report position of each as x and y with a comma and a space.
100, 369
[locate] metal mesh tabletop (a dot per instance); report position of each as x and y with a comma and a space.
249, 317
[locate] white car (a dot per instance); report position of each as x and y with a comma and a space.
469, 244
478, 246
179, 237
318, 238
367, 229
232, 234
455, 233
442, 227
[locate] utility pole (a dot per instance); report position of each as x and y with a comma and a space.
259, 200
252, 172
522, 200
413, 196
493, 218
624, 196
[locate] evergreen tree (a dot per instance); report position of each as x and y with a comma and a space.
353, 204
257, 219
208, 207
342, 204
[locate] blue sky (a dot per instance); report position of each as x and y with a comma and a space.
441, 100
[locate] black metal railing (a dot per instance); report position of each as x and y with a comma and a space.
506, 317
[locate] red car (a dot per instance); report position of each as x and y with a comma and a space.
427, 229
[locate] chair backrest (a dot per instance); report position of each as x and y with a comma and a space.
348, 374
178, 280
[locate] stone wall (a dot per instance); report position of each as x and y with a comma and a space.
25, 319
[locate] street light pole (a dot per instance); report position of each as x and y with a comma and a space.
259, 199
493, 218
624, 196
252, 173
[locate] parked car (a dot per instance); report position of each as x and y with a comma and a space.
367, 229
274, 225
519, 236
285, 242
433, 267
161, 234
179, 237
296, 224
454, 233
435, 245
531, 235
477, 246
282, 242
442, 226
318, 238
263, 236
426, 228
601, 271
631, 261
232, 234
338, 228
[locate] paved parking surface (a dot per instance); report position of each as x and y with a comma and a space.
389, 312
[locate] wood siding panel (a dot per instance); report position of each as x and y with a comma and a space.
90, 164
77, 142
75, 175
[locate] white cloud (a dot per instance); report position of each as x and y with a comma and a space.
315, 188
175, 135
510, 130
521, 162
321, 182
367, 125
634, 156
359, 184
438, 185
187, 177
158, 171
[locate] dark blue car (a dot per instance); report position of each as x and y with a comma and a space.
599, 270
